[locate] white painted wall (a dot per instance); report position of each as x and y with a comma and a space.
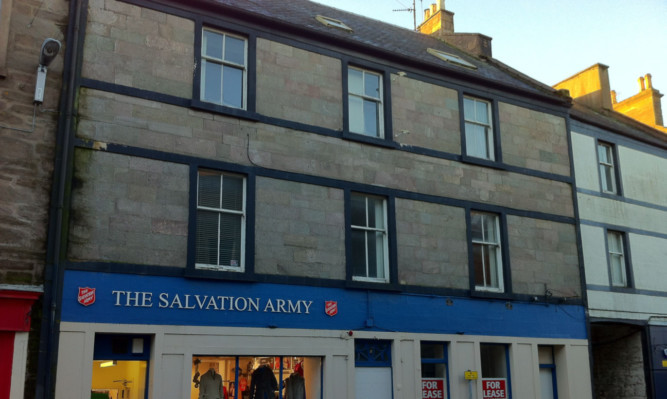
174, 346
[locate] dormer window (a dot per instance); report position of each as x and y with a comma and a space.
451, 58
334, 23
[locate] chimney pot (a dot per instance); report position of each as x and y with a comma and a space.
613, 97
434, 8
649, 84
641, 84
427, 13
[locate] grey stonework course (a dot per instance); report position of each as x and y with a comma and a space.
299, 230
128, 209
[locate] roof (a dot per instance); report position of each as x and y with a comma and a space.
388, 39
620, 124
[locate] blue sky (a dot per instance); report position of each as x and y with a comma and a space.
551, 40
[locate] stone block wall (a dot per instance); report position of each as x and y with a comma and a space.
543, 257
128, 209
432, 246
534, 140
27, 150
299, 85
138, 47
300, 230
425, 115
618, 363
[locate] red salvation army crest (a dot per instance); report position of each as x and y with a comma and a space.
86, 296
331, 308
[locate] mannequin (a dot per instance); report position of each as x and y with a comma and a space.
210, 386
263, 383
295, 385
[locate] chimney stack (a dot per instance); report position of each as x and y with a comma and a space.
439, 22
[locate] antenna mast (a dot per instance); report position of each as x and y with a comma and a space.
413, 11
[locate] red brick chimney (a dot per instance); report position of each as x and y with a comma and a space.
439, 22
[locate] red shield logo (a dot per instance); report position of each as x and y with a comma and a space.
86, 296
331, 308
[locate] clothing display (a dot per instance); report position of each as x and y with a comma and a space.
295, 387
263, 383
210, 386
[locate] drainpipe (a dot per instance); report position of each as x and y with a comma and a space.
53, 273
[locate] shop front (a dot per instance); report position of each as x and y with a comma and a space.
136, 336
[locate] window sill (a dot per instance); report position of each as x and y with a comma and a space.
376, 286
381, 142
224, 110
477, 293
482, 162
209, 273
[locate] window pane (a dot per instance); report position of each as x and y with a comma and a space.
469, 109
491, 266
617, 270
355, 81
235, 50
476, 226
232, 193
376, 254
476, 141
233, 87
358, 210
614, 240
209, 190
603, 154
372, 85
211, 82
371, 118
358, 253
490, 233
212, 43
478, 263
230, 240
481, 112
207, 238
432, 351
356, 114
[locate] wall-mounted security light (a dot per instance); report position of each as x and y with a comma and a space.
109, 363
50, 49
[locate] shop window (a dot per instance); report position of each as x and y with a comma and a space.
495, 371
548, 386
120, 367
255, 377
372, 360
434, 370
221, 217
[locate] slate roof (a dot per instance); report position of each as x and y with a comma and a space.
385, 38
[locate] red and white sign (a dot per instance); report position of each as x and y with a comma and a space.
86, 296
494, 388
433, 388
331, 308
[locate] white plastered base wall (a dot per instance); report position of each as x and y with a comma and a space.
174, 346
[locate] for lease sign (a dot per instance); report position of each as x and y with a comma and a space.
433, 388
494, 388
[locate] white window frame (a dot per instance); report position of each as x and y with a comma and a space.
222, 62
220, 210
379, 101
607, 167
385, 240
490, 244
473, 120
619, 256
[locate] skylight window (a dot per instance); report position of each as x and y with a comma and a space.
334, 23
451, 58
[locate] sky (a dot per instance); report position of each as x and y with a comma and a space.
551, 40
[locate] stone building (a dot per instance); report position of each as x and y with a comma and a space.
31, 66
258, 191
619, 166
